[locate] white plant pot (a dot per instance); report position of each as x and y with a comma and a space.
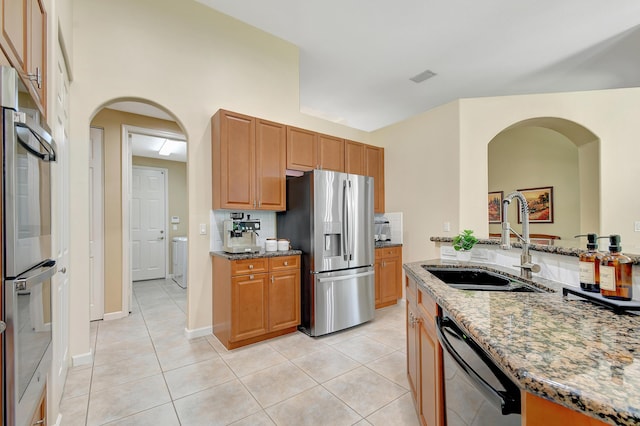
463, 255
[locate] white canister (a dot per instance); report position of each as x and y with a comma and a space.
283, 245
270, 244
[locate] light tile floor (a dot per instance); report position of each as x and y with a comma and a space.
145, 372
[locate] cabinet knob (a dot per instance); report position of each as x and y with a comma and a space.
250, 266
250, 277
286, 263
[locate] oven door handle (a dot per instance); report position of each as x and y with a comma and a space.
36, 275
509, 402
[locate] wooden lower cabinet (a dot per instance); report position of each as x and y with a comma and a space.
424, 356
388, 269
539, 411
255, 299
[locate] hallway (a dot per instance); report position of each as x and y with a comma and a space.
145, 372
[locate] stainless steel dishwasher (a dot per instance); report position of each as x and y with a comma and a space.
477, 392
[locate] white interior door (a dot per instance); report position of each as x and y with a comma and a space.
60, 230
148, 223
96, 228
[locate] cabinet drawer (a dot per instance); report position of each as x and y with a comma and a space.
249, 266
427, 305
281, 263
381, 253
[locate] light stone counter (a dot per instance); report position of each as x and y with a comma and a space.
566, 350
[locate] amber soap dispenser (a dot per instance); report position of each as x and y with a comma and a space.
616, 272
590, 264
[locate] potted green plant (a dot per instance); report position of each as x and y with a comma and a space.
463, 243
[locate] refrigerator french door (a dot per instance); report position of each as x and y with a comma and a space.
329, 217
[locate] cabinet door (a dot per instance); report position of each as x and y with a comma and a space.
331, 153
233, 151
412, 352
284, 300
301, 149
37, 42
13, 35
354, 157
389, 269
249, 310
430, 394
374, 166
271, 164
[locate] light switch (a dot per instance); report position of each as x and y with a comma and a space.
203, 229
636, 226
175, 227
446, 227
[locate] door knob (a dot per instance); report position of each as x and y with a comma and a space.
63, 269
161, 238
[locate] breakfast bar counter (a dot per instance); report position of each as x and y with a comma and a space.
562, 349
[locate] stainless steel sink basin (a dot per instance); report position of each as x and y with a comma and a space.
479, 280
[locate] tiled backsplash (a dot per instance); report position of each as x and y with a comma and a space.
267, 225
395, 222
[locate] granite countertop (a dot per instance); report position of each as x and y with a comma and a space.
566, 251
254, 255
564, 349
384, 244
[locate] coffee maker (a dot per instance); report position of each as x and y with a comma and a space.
240, 234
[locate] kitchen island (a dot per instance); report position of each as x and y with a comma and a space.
564, 350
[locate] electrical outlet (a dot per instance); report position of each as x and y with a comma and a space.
636, 226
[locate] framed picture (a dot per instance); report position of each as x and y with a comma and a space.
495, 207
540, 201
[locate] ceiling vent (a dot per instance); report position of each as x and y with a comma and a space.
425, 75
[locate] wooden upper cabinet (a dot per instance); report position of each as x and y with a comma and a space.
271, 164
248, 161
233, 160
37, 52
301, 149
374, 167
14, 31
354, 157
331, 153
23, 39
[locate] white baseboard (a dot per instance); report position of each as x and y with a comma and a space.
82, 359
198, 332
114, 315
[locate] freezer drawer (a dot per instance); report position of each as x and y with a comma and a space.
342, 299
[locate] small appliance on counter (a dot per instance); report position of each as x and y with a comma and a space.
382, 229
240, 235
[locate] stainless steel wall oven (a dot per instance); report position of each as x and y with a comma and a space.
28, 151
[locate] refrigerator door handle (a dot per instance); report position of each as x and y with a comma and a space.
345, 221
346, 277
351, 224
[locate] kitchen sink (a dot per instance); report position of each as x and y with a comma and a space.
480, 280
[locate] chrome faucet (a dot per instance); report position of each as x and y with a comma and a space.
526, 267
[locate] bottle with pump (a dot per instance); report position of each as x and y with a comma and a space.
590, 264
616, 272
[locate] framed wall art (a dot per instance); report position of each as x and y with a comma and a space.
495, 206
540, 202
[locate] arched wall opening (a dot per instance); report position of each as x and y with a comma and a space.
119, 118
549, 152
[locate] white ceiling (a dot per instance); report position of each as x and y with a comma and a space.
143, 145
357, 56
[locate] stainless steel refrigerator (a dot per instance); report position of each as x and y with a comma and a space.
329, 217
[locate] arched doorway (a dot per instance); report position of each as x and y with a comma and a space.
133, 133
550, 152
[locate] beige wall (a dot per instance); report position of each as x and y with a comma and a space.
191, 61
436, 163
111, 121
422, 176
177, 197
530, 157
